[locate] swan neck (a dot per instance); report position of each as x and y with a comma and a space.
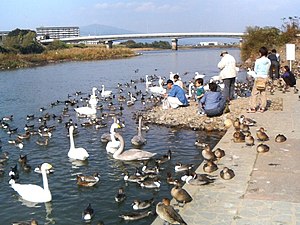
72, 145
45, 180
121, 147
140, 126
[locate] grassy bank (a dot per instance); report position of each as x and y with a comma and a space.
15, 61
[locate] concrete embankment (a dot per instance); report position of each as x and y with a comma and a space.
266, 186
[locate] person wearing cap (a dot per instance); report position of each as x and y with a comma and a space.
176, 96
228, 73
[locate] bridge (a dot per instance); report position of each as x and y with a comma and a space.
108, 39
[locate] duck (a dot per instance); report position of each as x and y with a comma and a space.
88, 213
14, 172
24, 136
170, 179
280, 138
200, 144
210, 167
105, 93
165, 158
35, 193
179, 167
180, 194
31, 222
219, 153
247, 121
249, 140
150, 170
4, 157
43, 142
120, 196
131, 154
238, 137
261, 134
261, 148
113, 144
167, 213
136, 215
76, 153
139, 140
207, 153
135, 178
139, 204
199, 179
153, 183
227, 173
87, 181
7, 118
236, 123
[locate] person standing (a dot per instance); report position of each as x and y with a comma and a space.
199, 94
274, 68
178, 81
228, 73
261, 69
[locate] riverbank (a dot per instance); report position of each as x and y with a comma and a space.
265, 189
17, 61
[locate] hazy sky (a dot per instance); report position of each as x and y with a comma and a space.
149, 15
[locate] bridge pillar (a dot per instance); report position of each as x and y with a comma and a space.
174, 44
109, 44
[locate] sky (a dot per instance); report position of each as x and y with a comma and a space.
148, 16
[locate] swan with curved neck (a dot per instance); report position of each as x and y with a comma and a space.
138, 139
158, 89
93, 98
76, 153
35, 193
131, 154
113, 145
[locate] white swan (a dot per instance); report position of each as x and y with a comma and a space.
138, 139
113, 145
131, 154
198, 75
76, 153
93, 98
35, 193
158, 89
190, 94
148, 83
86, 111
105, 93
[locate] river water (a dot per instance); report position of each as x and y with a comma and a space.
25, 91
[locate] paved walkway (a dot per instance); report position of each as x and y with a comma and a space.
266, 188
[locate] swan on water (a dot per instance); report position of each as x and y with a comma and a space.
76, 153
158, 89
113, 144
93, 98
138, 139
105, 93
131, 154
35, 193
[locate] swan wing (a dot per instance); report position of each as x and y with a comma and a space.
135, 154
78, 153
32, 193
112, 146
85, 110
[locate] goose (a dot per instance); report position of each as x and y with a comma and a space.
139, 140
35, 193
227, 173
104, 93
76, 153
131, 154
180, 194
167, 213
120, 196
113, 144
138, 204
135, 215
88, 213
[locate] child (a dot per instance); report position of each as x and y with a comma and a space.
199, 94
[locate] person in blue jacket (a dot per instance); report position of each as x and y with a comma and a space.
176, 96
213, 101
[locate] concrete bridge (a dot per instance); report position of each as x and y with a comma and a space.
108, 39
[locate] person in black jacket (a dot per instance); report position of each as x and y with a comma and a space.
274, 68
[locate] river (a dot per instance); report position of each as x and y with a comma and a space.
25, 91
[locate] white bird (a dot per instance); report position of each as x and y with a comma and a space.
198, 75
113, 144
189, 95
76, 153
158, 89
35, 193
131, 154
138, 139
93, 98
148, 83
86, 110
105, 93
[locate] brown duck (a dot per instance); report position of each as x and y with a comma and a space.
280, 138
261, 134
210, 167
227, 173
208, 154
261, 148
249, 140
180, 194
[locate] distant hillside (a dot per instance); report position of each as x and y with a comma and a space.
98, 29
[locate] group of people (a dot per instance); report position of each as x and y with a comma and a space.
213, 102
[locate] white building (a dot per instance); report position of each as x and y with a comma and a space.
209, 43
57, 32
